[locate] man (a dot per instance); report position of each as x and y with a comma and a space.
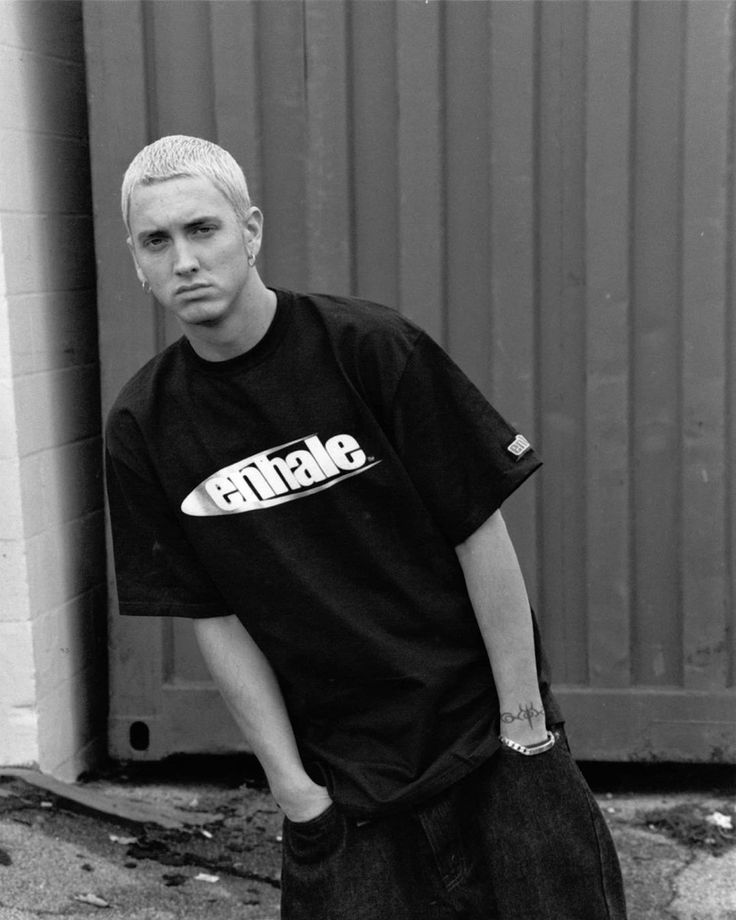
316, 485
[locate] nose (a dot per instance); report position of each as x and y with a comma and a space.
185, 259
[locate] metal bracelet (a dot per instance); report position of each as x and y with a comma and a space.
529, 751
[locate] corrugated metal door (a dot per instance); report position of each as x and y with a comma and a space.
549, 189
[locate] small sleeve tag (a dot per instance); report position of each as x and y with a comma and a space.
519, 446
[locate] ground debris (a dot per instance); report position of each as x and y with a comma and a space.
174, 879
120, 809
215, 855
206, 877
695, 825
123, 841
718, 819
239, 848
92, 899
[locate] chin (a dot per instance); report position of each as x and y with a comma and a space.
204, 315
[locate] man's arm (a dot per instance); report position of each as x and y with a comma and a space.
252, 693
496, 588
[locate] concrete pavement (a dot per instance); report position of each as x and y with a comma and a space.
57, 860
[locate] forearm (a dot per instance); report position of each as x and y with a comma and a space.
251, 691
497, 592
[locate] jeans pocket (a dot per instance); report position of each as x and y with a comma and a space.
310, 841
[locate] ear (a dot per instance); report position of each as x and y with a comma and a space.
141, 277
253, 229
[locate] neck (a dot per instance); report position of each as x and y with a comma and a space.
242, 329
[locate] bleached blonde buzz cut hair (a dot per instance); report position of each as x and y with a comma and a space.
178, 156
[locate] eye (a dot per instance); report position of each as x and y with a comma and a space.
155, 243
204, 230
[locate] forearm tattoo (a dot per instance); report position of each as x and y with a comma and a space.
527, 713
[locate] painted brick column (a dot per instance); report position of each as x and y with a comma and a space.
18, 716
53, 686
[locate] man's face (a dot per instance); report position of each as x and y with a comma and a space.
191, 248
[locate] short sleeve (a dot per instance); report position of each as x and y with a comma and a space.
462, 456
156, 570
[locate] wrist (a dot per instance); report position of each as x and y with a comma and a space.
524, 735
298, 796
304, 804
523, 722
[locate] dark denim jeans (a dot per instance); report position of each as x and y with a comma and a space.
522, 838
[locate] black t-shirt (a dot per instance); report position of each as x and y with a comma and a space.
316, 487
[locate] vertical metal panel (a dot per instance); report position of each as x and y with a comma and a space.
179, 69
236, 92
548, 188
422, 241
374, 118
608, 141
562, 321
704, 357
467, 176
117, 93
657, 526
283, 116
730, 345
329, 204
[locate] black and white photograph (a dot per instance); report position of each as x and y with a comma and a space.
368, 459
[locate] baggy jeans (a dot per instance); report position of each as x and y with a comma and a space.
521, 838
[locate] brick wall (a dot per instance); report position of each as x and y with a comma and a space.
53, 668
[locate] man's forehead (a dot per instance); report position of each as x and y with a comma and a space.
180, 199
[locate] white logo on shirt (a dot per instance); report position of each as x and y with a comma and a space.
278, 475
519, 446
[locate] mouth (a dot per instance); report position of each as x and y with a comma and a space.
191, 288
